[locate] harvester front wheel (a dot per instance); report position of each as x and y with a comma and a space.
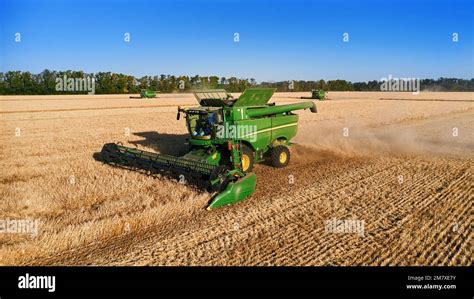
280, 156
247, 159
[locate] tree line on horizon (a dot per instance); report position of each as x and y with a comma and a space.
45, 83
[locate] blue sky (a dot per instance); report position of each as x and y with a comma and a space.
279, 40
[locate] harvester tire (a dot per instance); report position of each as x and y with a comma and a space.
280, 156
247, 159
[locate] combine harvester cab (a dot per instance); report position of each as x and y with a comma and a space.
226, 137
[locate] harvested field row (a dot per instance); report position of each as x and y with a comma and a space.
297, 226
108, 216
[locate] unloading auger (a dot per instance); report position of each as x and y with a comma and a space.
227, 136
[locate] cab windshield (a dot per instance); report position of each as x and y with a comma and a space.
202, 125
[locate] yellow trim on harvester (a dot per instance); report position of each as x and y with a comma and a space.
283, 157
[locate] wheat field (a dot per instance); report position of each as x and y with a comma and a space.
401, 164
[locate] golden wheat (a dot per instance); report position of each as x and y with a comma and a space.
90, 213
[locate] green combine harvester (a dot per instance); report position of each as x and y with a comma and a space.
226, 137
316, 94
146, 94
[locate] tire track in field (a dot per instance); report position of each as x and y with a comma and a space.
442, 225
288, 213
418, 195
211, 230
312, 231
426, 208
425, 250
269, 229
260, 222
332, 238
421, 201
214, 231
161, 231
328, 244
